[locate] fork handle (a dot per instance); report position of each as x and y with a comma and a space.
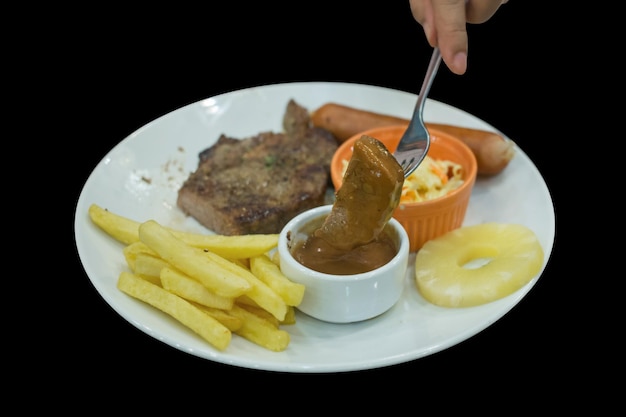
435, 60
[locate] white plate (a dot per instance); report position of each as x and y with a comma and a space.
139, 178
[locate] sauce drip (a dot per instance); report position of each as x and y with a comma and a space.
351, 239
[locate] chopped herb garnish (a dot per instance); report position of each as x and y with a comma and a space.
270, 160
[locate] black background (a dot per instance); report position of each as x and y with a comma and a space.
135, 67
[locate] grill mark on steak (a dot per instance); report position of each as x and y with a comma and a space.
257, 184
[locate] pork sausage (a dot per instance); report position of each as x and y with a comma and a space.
493, 152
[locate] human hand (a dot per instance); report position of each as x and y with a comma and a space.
444, 23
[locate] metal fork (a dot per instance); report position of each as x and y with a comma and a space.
415, 141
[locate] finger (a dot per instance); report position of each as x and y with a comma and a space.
451, 34
423, 13
479, 11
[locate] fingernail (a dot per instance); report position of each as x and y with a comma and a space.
460, 62
426, 28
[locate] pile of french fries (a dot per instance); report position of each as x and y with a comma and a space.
215, 285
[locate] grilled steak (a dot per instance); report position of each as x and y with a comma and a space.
257, 184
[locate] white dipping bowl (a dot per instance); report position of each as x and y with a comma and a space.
344, 298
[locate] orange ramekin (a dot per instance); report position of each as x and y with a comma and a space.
429, 219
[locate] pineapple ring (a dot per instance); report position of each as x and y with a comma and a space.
474, 265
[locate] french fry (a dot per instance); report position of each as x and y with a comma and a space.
188, 288
242, 262
195, 319
231, 247
260, 331
260, 292
192, 261
244, 299
149, 265
290, 317
223, 316
268, 272
126, 231
264, 314
120, 228
150, 278
133, 250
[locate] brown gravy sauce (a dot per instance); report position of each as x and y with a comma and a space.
353, 239
371, 191
317, 254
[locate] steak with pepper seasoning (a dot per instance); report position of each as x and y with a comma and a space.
257, 184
